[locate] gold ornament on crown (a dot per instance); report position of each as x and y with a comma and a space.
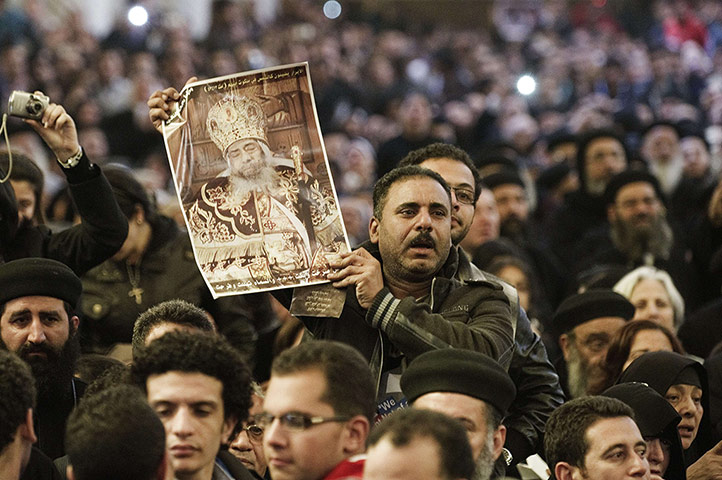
236, 118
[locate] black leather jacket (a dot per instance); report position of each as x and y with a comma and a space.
101, 233
474, 315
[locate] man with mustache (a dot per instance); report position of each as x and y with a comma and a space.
536, 398
403, 300
37, 298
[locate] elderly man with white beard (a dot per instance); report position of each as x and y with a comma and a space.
263, 220
586, 323
470, 387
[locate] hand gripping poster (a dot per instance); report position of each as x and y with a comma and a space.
251, 174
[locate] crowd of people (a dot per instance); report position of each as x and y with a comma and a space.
533, 279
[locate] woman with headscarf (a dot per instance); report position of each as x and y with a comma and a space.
683, 383
657, 421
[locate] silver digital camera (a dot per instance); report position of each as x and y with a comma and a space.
27, 105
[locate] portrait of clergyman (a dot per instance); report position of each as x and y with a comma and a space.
252, 177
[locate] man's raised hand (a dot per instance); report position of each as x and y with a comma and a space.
360, 269
161, 102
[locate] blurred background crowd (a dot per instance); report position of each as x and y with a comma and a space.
515, 83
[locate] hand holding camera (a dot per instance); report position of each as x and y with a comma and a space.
50, 120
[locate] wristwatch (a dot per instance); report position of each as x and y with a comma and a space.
73, 160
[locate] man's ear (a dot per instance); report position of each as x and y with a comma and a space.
611, 213
374, 230
564, 471
27, 428
357, 429
499, 439
138, 214
564, 342
76, 322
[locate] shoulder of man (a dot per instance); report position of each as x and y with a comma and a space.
234, 466
349, 469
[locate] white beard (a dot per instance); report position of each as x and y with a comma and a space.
265, 179
485, 462
669, 174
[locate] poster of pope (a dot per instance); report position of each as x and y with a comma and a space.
251, 174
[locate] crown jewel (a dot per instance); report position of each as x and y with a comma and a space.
236, 118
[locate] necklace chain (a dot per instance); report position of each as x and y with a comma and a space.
134, 279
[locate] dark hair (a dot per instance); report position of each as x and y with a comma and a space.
176, 311
583, 142
452, 443
112, 376
90, 366
444, 150
350, 388
25, 169
210, 355
382, 187
129, 192
115, 435
621, 345
565, 437
17, 395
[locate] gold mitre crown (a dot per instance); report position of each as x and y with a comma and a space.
236, 118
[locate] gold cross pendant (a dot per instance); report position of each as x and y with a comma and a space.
136, 292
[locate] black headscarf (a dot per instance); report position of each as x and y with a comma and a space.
660, 370
656, 418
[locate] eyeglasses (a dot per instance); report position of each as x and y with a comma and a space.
295, 421
254, 432
464, 195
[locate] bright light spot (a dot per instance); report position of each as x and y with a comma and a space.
138, 16
526, 85
332, 9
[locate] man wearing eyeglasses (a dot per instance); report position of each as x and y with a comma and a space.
404, 301
538, 389
247, 446
586, 323
199, 387
317, 412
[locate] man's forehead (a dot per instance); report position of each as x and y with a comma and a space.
636, 188
453, 404
606, 141
609, 431
599, 325
296, 390
184, 387
445, 164
243, 142
33, 302
421, 190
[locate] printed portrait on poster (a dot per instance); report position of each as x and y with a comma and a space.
252, 177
